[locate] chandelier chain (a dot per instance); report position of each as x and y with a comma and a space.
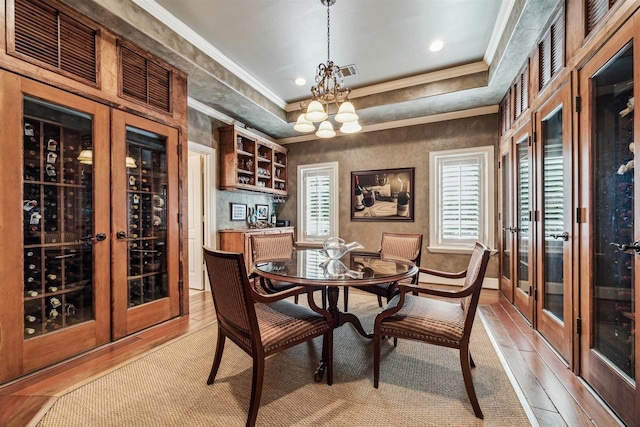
328, 33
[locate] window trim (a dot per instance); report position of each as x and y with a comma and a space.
332, 169
487, 198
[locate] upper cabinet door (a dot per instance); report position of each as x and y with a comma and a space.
145, 223
57, 305
609, 247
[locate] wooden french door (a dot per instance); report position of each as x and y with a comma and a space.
523, 272
506, 224
610, 223
54, 225
144, 223
554, 234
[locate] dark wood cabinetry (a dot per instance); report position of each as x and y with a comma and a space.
251, 163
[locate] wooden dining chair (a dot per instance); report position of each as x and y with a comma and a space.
275, 246
395, 246
436, 321
260, 324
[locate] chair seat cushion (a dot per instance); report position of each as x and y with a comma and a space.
425, 319
282, 323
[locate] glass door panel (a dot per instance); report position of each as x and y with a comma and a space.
613, 196
147, 205
524, 270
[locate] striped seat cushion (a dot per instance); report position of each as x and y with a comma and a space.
425, 319
278, 327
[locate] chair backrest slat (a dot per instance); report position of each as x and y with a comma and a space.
475, 276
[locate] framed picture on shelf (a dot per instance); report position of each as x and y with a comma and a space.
262, 211
238, 212
382, 195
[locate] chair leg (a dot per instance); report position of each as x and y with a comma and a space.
395, 341
468, 379
256, 390
379, 301
345, 292
376, 359
295, 299
324, 298
217, 358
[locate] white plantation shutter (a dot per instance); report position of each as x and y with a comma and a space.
553, 190
461, 199
318, 207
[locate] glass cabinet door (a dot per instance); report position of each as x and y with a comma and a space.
612, 254
554, 233
507, 227
55, 292
523, 294
145, 181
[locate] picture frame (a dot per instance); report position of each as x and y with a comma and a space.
262, 211
383, 195
238, 212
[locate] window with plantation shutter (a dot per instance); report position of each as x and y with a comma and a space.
461, 199
55, 40
318, 206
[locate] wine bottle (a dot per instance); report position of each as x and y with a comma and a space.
403, 200
359, 206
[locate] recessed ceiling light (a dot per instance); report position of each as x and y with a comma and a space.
436, 45
300, 81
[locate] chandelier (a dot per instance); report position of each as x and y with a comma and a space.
328, 90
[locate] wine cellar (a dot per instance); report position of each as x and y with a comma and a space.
91, 158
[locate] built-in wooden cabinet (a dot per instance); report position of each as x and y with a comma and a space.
240, 241
90, 206
251, 163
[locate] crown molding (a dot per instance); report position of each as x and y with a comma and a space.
501, 22
180, 28
434, 76
452, 115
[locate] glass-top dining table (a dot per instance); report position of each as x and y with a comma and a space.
311, 267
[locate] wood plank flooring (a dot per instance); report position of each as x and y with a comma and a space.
557, 397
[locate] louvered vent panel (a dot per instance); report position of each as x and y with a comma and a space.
524, 98
134, 75
36, 31
159, 84
504, 115
557, 47
596, 9
55, 39
544, 53
517, 102
77, 49
145, 80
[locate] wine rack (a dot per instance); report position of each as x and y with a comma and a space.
147, 207
57, 218
251, 163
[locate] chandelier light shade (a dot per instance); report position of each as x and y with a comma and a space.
325, 130
328, 90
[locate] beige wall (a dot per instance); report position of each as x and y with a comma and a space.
395, 148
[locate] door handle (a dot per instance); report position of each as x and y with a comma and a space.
625, 247
90, 239
121, 234
564, 236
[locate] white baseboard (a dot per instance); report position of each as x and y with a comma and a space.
489, 282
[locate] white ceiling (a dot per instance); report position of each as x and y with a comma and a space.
243, 55
277, 41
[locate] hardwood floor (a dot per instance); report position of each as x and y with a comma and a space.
557, 397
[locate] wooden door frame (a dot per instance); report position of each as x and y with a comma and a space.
524, 304
559, 334
611, 385
127, 320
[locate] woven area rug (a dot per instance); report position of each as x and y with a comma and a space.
420, 385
